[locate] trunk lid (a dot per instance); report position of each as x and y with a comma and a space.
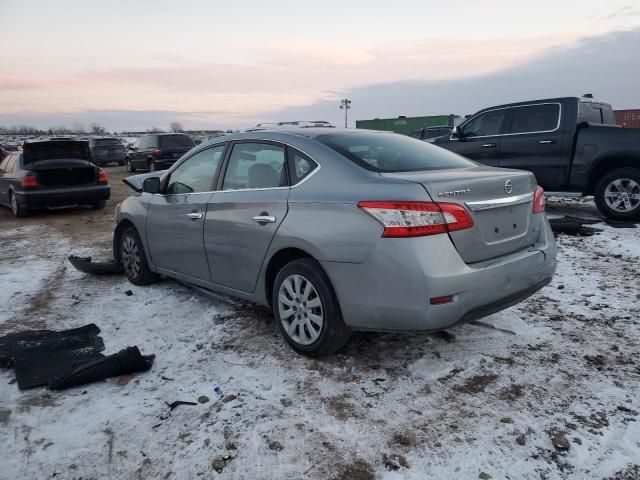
499, 202
34, 152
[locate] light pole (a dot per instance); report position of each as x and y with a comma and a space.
345, 104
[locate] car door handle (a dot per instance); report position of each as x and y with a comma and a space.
194, 215
489, 145
264, 219
546, 142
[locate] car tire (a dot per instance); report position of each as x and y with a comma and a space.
617, 194
100, 205
130, 168
306, 309
18, 210
134, 260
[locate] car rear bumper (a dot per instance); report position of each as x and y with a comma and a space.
56, 197
391, 291
110, 158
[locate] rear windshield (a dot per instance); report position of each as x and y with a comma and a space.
592, 112
107, 141
381, 152
35, 152
168, 141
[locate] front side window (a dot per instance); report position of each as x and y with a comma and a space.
485, 124
196, 173
389, 152
255, 165
535, 118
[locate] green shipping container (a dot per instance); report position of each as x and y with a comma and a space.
406, 125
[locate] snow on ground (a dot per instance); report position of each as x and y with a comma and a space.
550, 392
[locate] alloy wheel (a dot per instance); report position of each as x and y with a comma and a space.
622, 195
300, 309
131, 257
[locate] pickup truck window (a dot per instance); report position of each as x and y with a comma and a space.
590, 112
535, 118
485, 124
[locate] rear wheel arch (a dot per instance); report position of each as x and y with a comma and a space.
277, 262
606, 165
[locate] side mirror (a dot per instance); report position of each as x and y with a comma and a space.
456, 132
151, 185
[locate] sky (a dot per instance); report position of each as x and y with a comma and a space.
210, 64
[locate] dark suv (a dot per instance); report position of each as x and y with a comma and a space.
157, 151
107, 150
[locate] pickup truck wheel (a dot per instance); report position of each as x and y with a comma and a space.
134, 260
306, 309
617, 194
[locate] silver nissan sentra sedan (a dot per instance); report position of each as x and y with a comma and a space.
340, 230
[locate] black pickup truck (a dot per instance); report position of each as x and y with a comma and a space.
571, 145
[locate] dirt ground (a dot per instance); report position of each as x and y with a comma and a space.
547, 389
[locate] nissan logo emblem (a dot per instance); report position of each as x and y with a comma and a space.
508, 186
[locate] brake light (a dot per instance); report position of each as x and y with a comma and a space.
538, 200
29, 181
157, 153
417, 219
102, 177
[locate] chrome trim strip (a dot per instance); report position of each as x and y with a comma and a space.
499, 202
451, 138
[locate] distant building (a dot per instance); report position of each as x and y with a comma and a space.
408, 125
628, 118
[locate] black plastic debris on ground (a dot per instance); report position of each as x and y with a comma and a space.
620, 223
86, 265
574, 226
62, 359
129, 360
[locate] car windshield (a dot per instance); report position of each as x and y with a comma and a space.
168, 141
382, 152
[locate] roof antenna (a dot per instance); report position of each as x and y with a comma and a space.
587, 95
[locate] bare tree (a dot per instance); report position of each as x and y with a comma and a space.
79, 127
97, 129
176, 127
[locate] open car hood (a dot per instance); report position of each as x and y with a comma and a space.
136, 181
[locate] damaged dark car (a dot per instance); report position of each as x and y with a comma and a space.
51, 174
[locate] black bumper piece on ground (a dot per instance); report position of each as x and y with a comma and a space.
84, 264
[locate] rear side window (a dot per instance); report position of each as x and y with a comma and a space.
535, 118
176, 141
196, 173
485, 124
301, 165
255, 165
388, 152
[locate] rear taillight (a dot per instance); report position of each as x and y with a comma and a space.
538, 200
102, 177
416, 219
157, 153
29, 181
